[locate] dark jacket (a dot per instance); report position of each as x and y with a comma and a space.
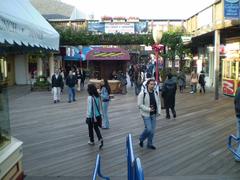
237, 102
169, 92
201, 79
71, 81
57, 82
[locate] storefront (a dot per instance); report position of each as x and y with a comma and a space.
23, 31
104, 62
231, 69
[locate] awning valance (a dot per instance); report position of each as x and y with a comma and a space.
22, 24
108, 54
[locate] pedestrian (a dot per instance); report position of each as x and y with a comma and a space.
194, 81
130, 73
57, 86
93, 111
168, 94
82, 77
105, 92
181, 80
201, 81
237, 112
78, 76
71, 81
150, 107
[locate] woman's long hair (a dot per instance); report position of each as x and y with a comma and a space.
106, 85
92, 90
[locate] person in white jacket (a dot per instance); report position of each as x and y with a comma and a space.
150, 107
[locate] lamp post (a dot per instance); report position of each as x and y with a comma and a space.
157, 36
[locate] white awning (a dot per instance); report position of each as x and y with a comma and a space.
22, 24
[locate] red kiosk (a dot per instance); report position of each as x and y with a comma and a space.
104, 61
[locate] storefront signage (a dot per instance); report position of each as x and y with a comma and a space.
186, 39
228, 87
119, 28
231, 9
9, 26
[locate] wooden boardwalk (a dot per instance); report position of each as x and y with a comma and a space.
193, 146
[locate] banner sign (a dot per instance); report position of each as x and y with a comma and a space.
119, 28
141, 27
231, 9
96, 27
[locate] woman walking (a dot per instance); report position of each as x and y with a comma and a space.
93, 111
105, 92
201, 81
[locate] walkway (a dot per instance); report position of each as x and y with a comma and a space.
191, 147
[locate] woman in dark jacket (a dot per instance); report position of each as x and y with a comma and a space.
93, 111
168, 94
201, 81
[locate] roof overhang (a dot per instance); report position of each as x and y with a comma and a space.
22, 24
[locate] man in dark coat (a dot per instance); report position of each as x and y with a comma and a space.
168, 94
57, 86
71, 81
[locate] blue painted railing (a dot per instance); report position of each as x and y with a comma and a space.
97, 170
135, 171
230, 147
138, 170
130, 158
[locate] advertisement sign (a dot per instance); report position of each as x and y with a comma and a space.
228, 87
231, 9
119, 28
141, 27
96, 27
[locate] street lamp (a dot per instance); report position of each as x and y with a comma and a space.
157, 36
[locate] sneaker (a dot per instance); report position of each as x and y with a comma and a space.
58, 100
69, 101
151, 147
55, 101
191, 92
101, 144
167, 117
74, 100
141, 143
91, 143
174, 115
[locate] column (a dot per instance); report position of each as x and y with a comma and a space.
216, 62
51, 65
39, 66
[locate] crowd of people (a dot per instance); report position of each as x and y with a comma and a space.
148, 90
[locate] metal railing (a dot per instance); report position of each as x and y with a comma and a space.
230, 147
138, 170
135, 171
97, 170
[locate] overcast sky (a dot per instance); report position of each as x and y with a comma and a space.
149, 9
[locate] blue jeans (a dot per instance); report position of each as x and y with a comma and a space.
150, 126
105, 114
71, 94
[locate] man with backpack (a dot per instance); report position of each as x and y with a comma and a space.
168, 93
150, 107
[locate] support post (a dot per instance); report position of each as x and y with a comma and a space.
216, 62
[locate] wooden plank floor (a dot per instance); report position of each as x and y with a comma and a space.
191, 146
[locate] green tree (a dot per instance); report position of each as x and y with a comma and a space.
174, 45
69, 36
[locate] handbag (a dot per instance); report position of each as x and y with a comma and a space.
99, 117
